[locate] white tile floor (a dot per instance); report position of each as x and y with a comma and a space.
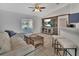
43, 51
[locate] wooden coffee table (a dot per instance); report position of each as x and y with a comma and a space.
27, 39
37, 40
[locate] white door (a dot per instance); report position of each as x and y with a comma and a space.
62, 21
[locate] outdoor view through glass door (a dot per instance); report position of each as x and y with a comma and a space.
27, 26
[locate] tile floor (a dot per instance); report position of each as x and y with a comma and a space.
42, 51
46, 50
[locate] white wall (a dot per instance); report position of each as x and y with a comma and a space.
63, 10
37, 24
12, 21
74, 8
77, 25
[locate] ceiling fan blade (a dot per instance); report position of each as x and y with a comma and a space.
37, 8
42, 7
40, 10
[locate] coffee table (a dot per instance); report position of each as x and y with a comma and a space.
36, 40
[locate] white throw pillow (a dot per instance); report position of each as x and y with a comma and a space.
5, 45
17, 42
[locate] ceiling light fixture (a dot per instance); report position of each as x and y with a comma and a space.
37, 8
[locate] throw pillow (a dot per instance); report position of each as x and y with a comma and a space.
11, 33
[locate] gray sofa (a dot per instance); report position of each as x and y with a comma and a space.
14, 46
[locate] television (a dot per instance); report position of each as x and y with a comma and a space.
74, 18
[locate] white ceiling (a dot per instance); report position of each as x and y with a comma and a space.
23, 8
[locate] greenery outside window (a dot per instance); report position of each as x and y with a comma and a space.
27, 26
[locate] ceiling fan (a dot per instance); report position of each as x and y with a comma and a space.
37, 8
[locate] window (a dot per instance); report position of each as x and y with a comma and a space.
27, 26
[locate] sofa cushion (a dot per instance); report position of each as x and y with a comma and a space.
66, 43
19, 47
5, 45
17, 42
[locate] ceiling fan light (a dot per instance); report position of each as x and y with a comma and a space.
37, 10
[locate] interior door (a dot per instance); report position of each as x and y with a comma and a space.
62, 21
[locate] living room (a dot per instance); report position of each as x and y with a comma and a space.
35, 29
